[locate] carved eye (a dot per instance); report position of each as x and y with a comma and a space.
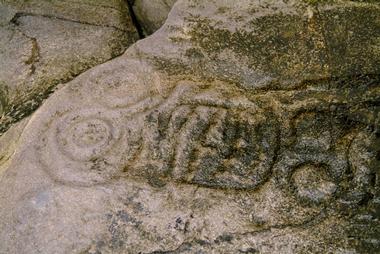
82, 147
312, 177
86, 138
326, 158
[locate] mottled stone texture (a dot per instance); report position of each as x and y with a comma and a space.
151, 14
239, 127
45, 43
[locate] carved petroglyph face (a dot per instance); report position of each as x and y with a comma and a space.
219, 138
195, 135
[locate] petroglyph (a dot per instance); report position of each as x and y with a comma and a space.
317, 166
238, 127
196, 135
210, 140
83, 146
209, 136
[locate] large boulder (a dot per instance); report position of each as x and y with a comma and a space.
239, 127
44, 43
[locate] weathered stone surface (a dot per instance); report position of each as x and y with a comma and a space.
151, 14
44, 43
239, 127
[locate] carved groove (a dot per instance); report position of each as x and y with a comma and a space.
83, 147
209, 140
213, 138
318, 167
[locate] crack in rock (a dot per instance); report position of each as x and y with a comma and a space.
23, 14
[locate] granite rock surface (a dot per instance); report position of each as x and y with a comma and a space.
238, 127
49, 42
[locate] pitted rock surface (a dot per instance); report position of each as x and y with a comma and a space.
256, 136
45, 43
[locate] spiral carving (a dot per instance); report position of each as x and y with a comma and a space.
83, 147
327, 159
312, 178
87, 138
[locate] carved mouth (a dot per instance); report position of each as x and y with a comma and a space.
201, 137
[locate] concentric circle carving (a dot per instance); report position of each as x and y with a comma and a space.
83, 147
86, 139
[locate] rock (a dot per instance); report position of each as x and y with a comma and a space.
151, 14
239, 127
279, 46
9, 142
44, 43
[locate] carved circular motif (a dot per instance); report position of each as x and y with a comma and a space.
312, 178
327, 157
87, 138
83, 147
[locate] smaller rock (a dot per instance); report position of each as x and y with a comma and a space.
151, 14
46, 43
